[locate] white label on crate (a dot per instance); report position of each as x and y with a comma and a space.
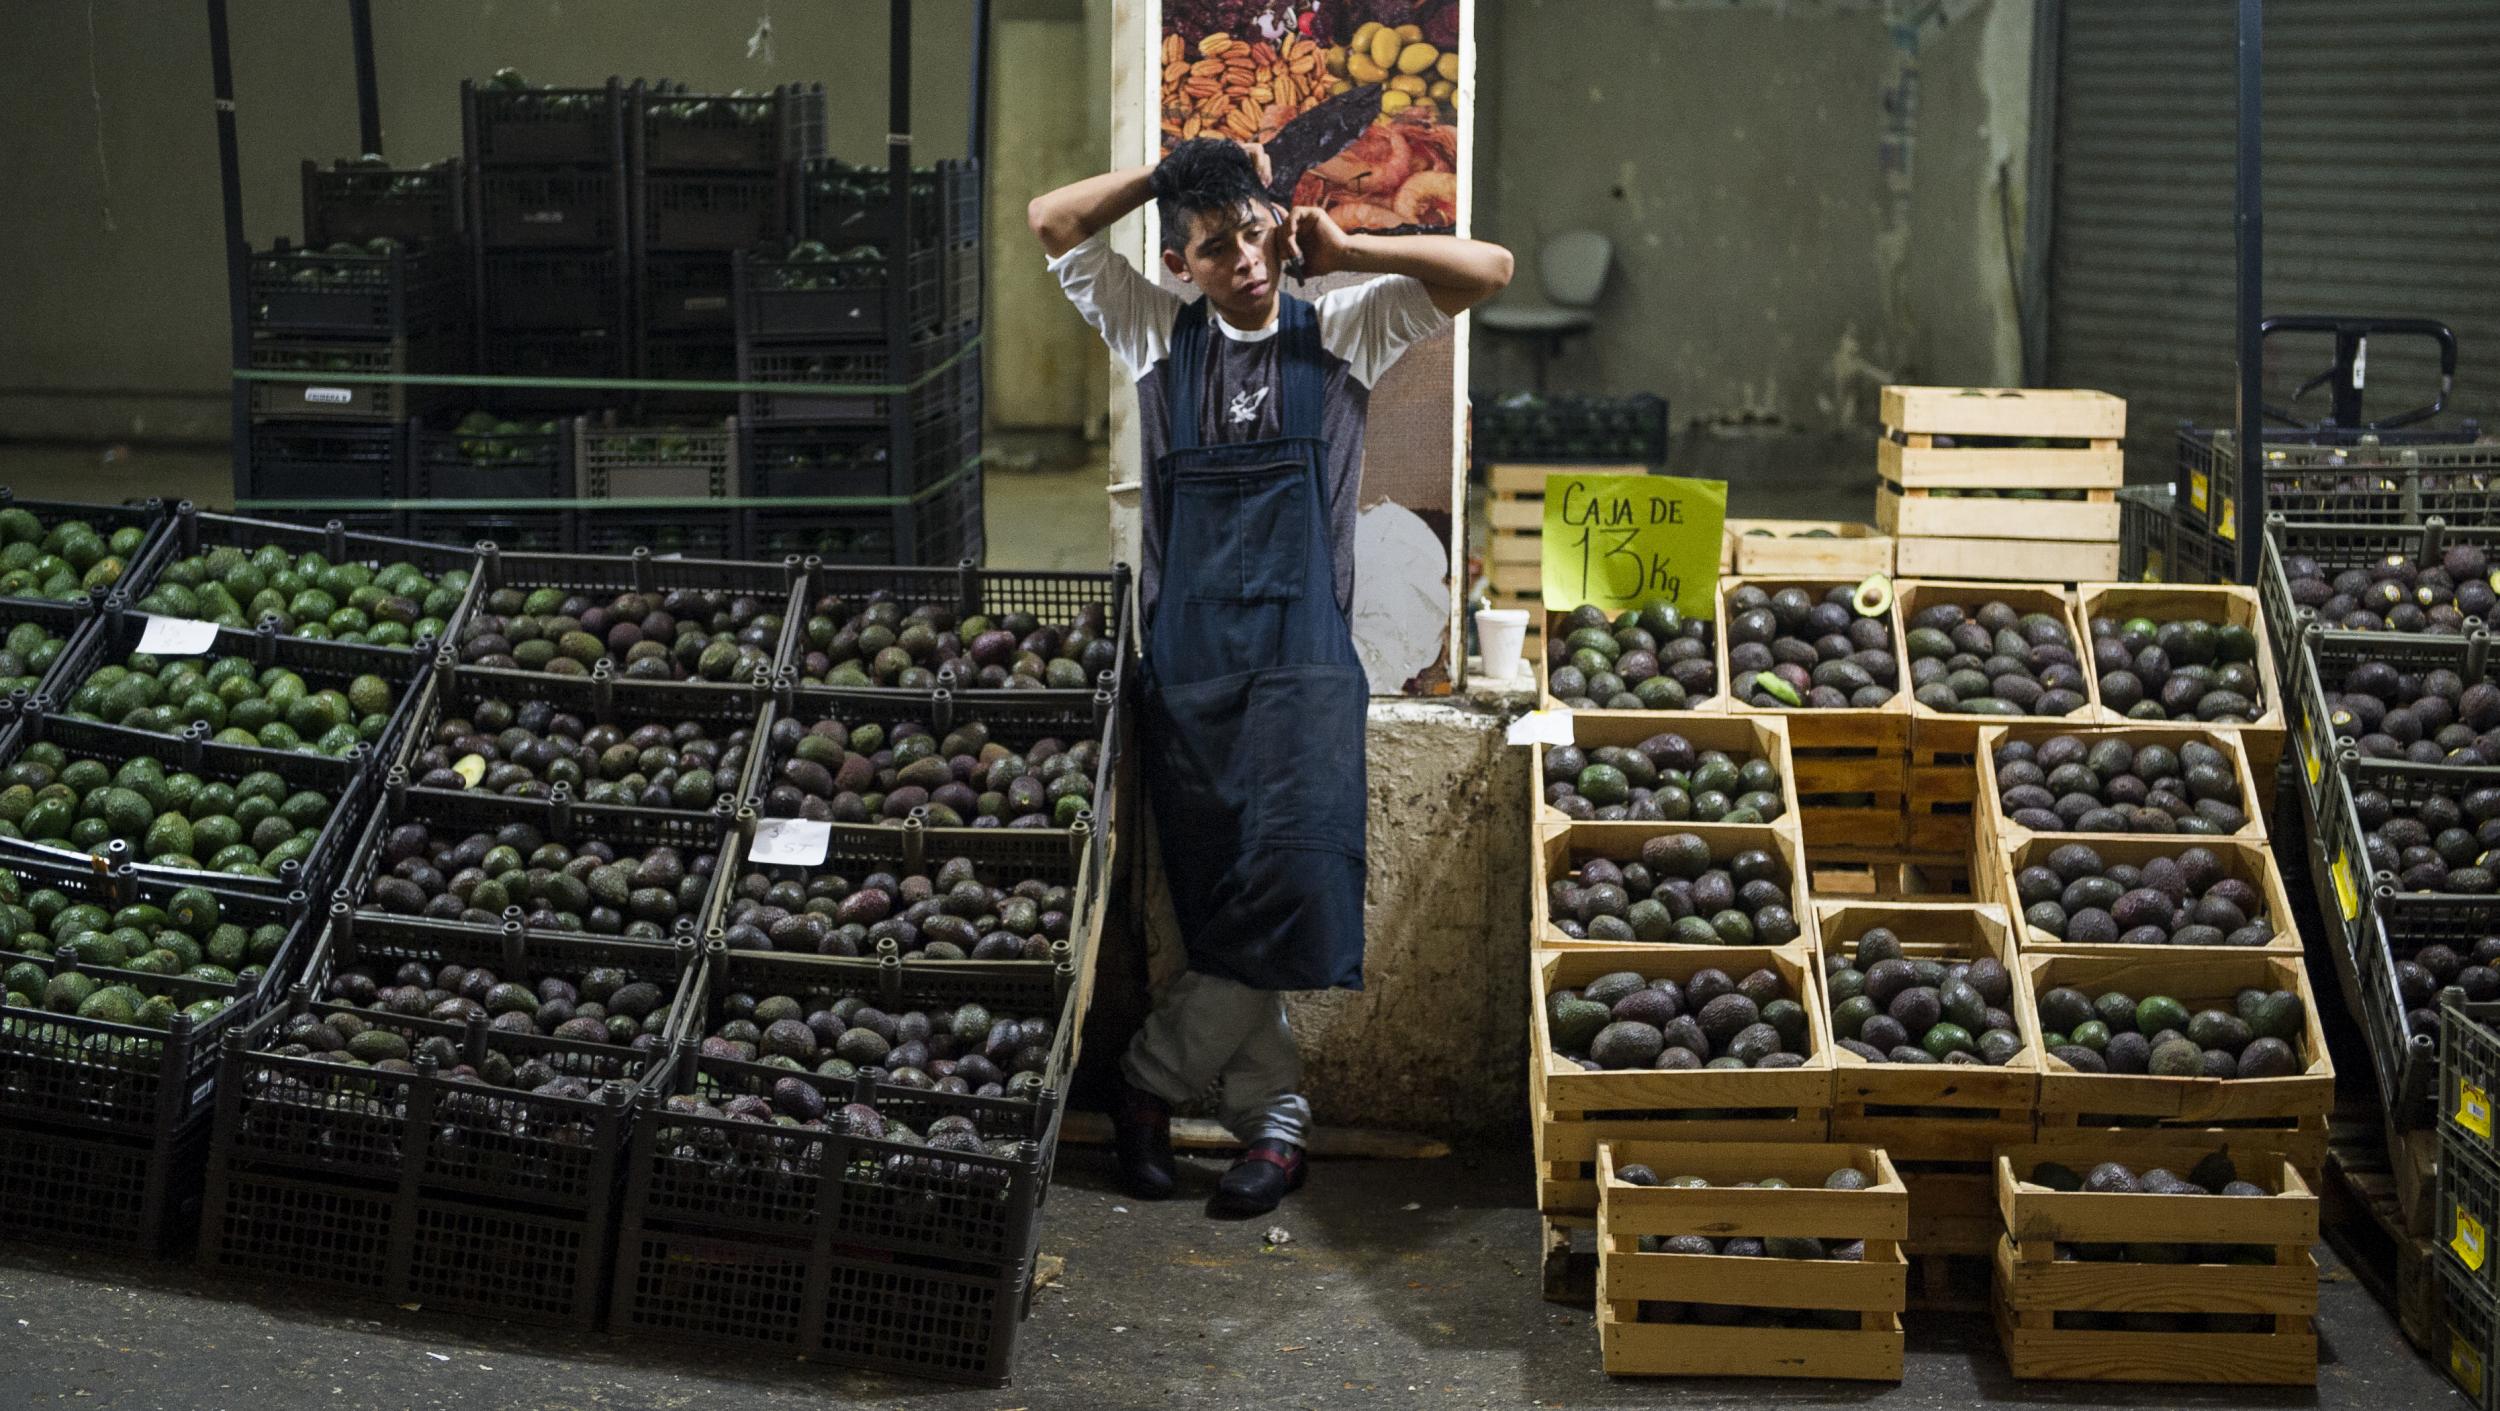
177, 637
330, 396
1541, 727
2360, 362
790, 842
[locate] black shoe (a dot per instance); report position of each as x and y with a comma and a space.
1266, 1173
1141, 1136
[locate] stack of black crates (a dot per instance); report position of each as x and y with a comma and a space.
882, 290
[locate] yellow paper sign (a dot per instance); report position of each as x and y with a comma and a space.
2465, 1364
1626, 541
2347, 894
2309, 757
2196, 490
2474, 1110
2468, 1241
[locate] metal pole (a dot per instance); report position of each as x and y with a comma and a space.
368, 94
899, 468
2248, 224
230, 182
980, 140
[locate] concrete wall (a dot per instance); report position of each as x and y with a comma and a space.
115, 303
1801, 193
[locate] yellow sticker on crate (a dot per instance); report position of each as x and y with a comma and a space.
1626, 541
2309, 760
2347, 895
2465, 1364
2474, 1110
2469, 1241
2196, 490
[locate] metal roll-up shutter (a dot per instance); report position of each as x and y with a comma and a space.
2382, 197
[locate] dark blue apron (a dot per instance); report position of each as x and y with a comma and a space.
1253, 698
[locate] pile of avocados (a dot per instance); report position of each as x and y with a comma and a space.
2259, 1036
684, 634
27, 652
586, 884
2428, 969
801, 1114
1663, 779
524, 750
1650, 659
2216, 1176
1993, 660
968, 1049
393, 605
2100, 784
1787, 650
121, 956
2189, 899
2442, 838
1678, 892
2398, 593
596, 1005
2429, 717
878, 642
1887, 1008
1625, 1021
871, 773
2188, 669
62, 561
249, 826
948, 914
269, 707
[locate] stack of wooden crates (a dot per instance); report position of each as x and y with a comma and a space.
1514, 558
2001, 483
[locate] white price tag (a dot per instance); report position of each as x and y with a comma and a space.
1541, 727
177, 636
329, 396
790, 842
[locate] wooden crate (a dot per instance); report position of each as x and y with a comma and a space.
1561, 847
1546, 626
2033, 560
1841, 874
1876, 1289
1756, 738
1943, 779
2033, 1287
1995, 825
1942, 446
1574, 1110
1852, 551
1862, 755
2082, 1109
1514, 515
2249, 861
2219, 603
1931, 1112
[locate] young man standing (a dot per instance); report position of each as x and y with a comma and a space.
1252, 404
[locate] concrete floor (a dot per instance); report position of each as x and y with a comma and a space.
1402, 1283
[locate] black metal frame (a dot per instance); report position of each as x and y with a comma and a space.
2248, 227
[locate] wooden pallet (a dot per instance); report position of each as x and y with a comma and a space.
1755, 737
1562, 847
1875, 1289
2033, 1287
2219, 603
1850, 551
2361, 1209
1932, 1112
1839, 874
2249, 861
1514, 555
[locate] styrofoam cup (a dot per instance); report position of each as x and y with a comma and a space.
1500, 633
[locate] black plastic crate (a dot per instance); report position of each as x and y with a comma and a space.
629, 462
729, 131
772, 582
841, 205
304, 394
484, 456
2406, 1054
688, 357
190, 532
228, 764
128, 534
2322, 659
2144, 534
1054, 598
364, 199
2344, 477
507, 125
680, 533
134, 1080
527, 531
815, 292
938, 380
295, 460
1000, 857
60, 622
573, 353
821, 462
2471, 1351
68, 1188
2469, 1075
598, 698
399, 292
2466, 1212
688, 293
2359, 891
710, 210
2198, 555
1017, 719
938, 527
1527, 428
540, 207
2341, 546
550, 291
323, 665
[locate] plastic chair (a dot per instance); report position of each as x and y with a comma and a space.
1571, 269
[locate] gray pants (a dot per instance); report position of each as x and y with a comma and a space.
1206, 1029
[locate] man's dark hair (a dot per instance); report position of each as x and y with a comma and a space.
1201, 175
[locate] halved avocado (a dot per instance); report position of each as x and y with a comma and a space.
1873, 597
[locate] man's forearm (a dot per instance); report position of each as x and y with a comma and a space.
1073, 214
1460, 273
